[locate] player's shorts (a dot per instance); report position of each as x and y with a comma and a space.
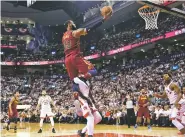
14, 115
43, 114
76, 64
143, 111
173, 113
181, 112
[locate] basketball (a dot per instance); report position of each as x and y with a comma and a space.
106, 10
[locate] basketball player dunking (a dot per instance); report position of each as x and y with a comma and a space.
79, 69
12, 110
173, 92
90, 113
45, 101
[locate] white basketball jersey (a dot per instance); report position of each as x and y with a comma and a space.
45, 102
172, 96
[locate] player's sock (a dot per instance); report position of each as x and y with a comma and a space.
8, 126
52, 121
84, 130
90, 124
15, 129
149, 126
41, 123
135, 126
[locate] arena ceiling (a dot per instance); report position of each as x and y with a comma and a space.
57, 12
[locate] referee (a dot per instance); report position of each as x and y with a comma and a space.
130, 111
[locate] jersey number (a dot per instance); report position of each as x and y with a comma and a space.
67, 44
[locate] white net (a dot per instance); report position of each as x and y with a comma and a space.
150, 15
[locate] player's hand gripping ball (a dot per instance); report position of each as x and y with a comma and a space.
106, 12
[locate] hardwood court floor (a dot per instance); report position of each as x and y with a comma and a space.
70, 130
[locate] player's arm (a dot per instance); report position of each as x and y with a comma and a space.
148, 103
10, 104
83, 31
38, 105
177, 90
163, 95
52, 103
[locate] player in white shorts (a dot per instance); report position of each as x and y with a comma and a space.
90, 113
45, 102
181, 109
173, 92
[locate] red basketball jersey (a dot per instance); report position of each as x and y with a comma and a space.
71, 44
14, 107
143, 99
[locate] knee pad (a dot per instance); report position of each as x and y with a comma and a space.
93, 72
75, 87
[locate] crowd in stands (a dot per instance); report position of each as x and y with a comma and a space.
110, 89
129, 32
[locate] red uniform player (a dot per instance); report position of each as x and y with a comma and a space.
12, 111
79, 69
143, 102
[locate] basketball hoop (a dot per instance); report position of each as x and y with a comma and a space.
150, 15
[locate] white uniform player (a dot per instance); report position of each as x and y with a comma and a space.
172, 91
181, 111
90, 113
172, 96
45, 102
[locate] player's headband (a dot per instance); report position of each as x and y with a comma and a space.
70, 21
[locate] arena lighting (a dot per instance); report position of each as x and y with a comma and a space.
142, 50
175, 40
21, 22
30, 2
182, 45
7, 21
177, 44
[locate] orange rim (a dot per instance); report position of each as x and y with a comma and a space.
146, 7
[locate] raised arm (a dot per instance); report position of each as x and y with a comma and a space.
83, 31
160, 96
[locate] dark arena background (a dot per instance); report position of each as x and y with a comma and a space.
129, 58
